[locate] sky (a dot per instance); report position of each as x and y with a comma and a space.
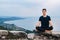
29, 8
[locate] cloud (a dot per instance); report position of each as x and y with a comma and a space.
51, 3
27, 7
18, 9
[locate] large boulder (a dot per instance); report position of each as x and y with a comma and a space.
31, 35
19, 34
3, 32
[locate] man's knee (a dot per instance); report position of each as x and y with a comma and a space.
40, 29
37, 28
50, 28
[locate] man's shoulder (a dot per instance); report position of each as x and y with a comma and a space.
41, 16
48, 16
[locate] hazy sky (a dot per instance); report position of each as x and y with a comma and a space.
27, 8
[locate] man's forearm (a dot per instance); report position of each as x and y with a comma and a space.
51, 24
38, 24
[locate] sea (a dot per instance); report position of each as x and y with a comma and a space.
30, 23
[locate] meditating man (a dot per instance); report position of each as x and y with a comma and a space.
44, 24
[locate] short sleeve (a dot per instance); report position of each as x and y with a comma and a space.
40, 19
49, 18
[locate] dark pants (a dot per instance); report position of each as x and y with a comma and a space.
42, 29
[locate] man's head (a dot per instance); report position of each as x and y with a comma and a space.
44, 11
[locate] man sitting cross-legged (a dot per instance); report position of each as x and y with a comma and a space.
44, 24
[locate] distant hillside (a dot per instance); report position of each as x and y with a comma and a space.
2, 28
22, 29
5, 26
3, 19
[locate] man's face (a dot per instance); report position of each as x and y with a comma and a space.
44, 12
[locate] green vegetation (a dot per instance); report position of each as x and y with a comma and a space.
5, 28
2, 28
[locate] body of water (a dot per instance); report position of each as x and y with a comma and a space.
29, 23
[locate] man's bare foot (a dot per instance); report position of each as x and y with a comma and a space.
36, 30
48, 31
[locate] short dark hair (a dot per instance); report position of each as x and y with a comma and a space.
44, 9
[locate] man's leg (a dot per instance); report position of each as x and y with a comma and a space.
49, 30
40, 29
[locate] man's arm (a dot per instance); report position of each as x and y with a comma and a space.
38, 24
50, 23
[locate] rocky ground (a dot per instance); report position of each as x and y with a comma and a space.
44, 36
34, 36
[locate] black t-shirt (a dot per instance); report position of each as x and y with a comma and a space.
45, 21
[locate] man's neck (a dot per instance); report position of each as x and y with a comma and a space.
44, 15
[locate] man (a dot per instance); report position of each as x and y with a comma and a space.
44, 24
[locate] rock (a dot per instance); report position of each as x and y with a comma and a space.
31, 35
3, 32
44, 36
17, 34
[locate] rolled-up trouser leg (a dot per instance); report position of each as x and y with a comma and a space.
41, 29
50, 28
